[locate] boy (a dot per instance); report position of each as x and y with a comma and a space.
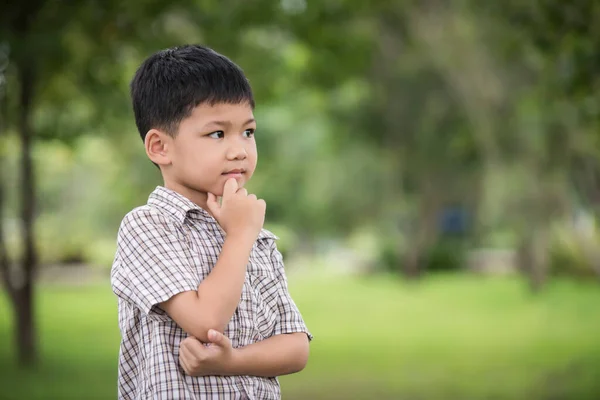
204, 310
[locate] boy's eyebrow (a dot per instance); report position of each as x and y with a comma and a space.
228, 123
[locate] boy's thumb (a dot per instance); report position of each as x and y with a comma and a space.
215, 336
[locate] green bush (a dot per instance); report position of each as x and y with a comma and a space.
390, 256
448, 254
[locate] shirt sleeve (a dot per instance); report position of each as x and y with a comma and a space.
154, 262
290, 318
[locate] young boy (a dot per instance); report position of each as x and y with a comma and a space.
204, 310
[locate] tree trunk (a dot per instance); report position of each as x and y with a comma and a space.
4, 260
425, 234
24, 293
533, 256
413, 262
25, 326
539, 266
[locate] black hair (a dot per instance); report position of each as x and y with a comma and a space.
172, 82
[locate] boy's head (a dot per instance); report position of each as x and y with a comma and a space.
194, 109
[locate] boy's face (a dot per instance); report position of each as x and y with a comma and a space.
212, 145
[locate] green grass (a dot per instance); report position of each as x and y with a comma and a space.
447, 337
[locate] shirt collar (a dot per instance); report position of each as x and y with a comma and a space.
180, 207
177, 205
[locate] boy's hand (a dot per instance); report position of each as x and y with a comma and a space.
214, 358
239, 213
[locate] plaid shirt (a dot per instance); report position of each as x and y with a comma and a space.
169, 246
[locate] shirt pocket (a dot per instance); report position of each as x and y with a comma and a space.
261, 294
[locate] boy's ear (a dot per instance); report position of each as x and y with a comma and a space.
157, 147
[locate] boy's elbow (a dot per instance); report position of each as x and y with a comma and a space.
194, 316
300, 364
202, 334
302, 353
184, 309
200, 329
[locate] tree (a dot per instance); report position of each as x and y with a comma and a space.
47, 40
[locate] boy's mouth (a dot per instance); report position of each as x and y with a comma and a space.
234, 173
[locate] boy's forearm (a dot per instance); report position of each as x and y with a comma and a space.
219, 293
276, 356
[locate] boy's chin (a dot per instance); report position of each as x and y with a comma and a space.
239, 178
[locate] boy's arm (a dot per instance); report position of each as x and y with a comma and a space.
284, 353
276, 356
212, 305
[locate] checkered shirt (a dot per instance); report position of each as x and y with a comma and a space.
169, 246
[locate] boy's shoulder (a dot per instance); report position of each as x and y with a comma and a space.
145, 220
145, 215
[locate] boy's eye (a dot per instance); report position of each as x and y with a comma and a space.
217, 134
249, 132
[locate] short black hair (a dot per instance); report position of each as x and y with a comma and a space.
169, 84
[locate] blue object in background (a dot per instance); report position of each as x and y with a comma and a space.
454, 221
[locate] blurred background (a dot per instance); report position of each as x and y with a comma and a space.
431, 167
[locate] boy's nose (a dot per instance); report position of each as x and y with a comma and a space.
237, 153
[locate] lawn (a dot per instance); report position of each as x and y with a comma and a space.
447, 337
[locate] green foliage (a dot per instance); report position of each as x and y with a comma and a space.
446, 255
390, 256
364, 111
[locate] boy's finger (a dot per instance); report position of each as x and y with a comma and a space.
184, 365
183, 360
213, 204
231, 186
218, 338
214, 336
195, 349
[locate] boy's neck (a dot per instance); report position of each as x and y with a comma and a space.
196, 197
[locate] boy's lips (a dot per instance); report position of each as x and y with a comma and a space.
234, 173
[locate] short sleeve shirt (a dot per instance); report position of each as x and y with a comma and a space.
169, 246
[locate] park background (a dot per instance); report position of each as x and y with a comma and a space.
431, 167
